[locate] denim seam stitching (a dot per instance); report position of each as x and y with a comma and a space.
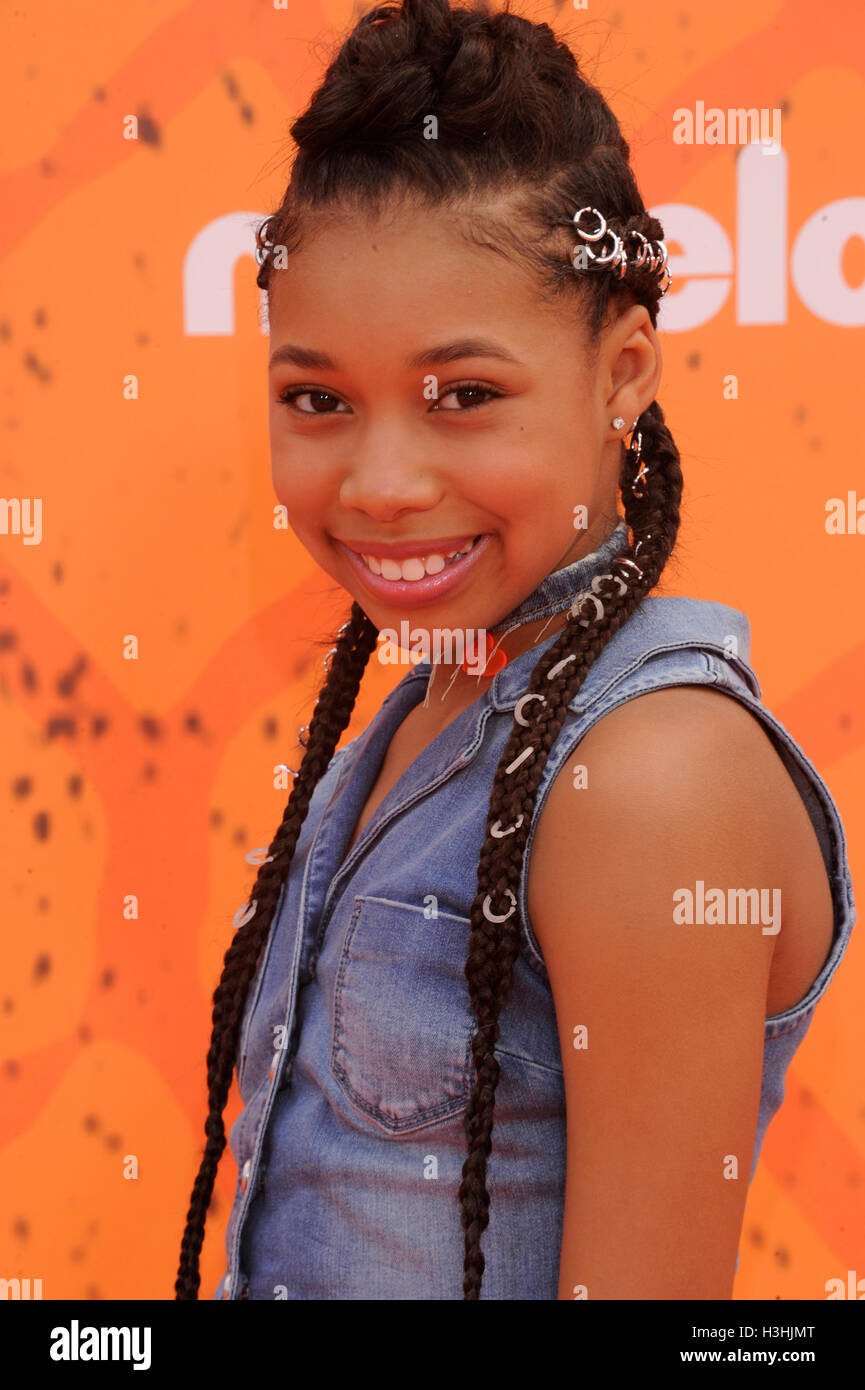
529, 1061
791, 1026
259, 981
240, 1207
821, 982
701, 649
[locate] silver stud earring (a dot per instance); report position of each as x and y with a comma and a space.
618, 422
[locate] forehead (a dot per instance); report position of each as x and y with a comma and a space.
412, 273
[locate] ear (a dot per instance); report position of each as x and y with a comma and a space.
631, 364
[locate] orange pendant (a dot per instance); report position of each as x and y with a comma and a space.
492, 667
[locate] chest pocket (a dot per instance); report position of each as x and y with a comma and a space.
403, 1021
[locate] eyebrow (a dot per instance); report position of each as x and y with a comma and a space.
441, 355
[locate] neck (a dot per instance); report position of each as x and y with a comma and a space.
540, 617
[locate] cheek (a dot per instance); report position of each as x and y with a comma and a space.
522, 487
301, 485
281, 479
541, 500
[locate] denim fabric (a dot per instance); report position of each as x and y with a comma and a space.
354, 1062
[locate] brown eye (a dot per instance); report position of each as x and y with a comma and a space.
317, 399
471, 394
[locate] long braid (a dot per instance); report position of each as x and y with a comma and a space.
332, 714
519, 124
493, 945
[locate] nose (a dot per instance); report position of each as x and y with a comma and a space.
389, 473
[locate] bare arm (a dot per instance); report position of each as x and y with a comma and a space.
662, 1100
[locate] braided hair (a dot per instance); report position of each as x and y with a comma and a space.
516, 123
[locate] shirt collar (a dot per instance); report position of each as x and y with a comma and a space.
664, 623
558, 590
555, 593
657, 624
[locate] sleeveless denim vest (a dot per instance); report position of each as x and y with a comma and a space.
354, 1063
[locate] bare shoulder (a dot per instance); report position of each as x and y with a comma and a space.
687, 760
660, 1015
698, 765
684, 732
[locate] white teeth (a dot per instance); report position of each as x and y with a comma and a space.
417, 567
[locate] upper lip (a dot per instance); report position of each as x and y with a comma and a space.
404, 550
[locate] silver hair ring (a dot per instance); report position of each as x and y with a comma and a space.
590, 236
520, 758
644, 253
499, 834
578, 603
254, 857
611, 257
661, 256
511, 910
560, 666
631, 565
616, 578
518, 715
247, 911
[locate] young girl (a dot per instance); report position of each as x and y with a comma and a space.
525, 963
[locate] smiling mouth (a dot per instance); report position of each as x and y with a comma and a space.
415, 567
418, 579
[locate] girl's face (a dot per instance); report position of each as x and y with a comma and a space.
422, 392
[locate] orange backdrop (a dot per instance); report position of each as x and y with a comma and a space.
132, 258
